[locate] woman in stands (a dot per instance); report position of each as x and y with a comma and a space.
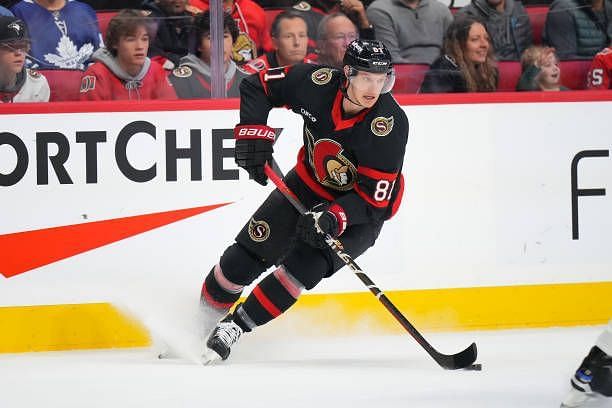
468, 63
122, 70
541, 71
17, 83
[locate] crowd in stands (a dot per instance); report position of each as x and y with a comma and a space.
161, 49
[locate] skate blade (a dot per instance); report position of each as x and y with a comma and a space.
210, 357
575, 399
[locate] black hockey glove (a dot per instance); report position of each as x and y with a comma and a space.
313, 226
254, 149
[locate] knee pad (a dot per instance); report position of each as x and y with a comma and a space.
307, 265
240, 266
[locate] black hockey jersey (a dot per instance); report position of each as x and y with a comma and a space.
355, 161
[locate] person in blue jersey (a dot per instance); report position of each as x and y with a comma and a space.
64, 33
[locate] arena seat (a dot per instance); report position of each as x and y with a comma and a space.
537, 18
574, 73
408, 77
104, 18
509, 74
63, 83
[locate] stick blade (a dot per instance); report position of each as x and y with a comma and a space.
460, 360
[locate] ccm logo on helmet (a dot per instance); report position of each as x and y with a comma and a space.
380, 63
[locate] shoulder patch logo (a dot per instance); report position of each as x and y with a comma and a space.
88, 83
302, 6
259, 231
322, 76
182, 72
382, 126
33, 73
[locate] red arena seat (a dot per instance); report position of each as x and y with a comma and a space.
574, 73
408, 77
270, 14
509, 74
103, 19
63, 83
537, 18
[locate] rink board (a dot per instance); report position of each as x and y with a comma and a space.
506, 223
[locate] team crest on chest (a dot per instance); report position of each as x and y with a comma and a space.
259, 231
382, 126
330, 166
321, 76
182, 72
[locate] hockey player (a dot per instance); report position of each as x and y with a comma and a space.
348, 173
122, 69
600, 73
593, 379
17, 83
192, 78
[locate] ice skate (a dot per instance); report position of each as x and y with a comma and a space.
592, 380
220, 340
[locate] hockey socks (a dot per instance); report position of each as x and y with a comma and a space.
275, 294
218, 292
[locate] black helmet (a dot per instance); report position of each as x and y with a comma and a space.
368, 55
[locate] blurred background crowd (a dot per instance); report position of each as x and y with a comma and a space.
57, 50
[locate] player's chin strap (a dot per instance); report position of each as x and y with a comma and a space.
463, 359
344, 90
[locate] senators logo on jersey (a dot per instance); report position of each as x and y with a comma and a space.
259, 231
330, 167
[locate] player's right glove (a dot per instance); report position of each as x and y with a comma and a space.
313, 226
254, 149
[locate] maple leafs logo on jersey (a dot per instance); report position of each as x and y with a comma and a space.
321, 76
382, 126
68, 56
259, 231
330, 167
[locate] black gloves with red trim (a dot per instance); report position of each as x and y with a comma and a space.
254, 149
313, 226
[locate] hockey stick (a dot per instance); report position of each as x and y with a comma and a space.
463, 359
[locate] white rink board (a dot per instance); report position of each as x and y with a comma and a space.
487, 199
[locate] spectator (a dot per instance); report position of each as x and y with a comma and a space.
576, 28
336, 31
467, 65
5, 12
508, 24
413, 30
17, 83
600, 73
64, 33
192, 78
290, 38
540, 70
174, 28
251, 18
122, 70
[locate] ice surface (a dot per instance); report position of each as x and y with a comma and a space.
521, 368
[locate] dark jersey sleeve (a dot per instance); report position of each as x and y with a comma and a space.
379, 183
272, 87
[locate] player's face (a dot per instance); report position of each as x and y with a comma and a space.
12, 56
173, 7
550, 74
132, 48
365, 87
205, 48
340, 32
477, 45
292, 40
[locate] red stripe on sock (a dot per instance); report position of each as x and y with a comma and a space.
265, 302
209, 299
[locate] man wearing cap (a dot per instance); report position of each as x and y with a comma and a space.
17, 83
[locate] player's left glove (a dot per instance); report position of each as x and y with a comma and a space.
254, 149
313, 226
